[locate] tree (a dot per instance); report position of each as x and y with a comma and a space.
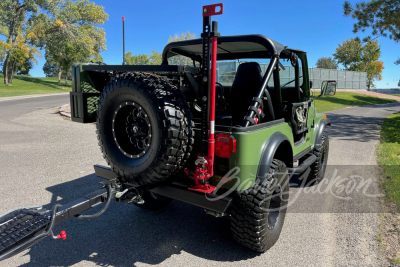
22, 57
181, 60
374, 72
72, 34
15, 21
136, 59
26, 67
155, 58
349, 54
360, 56
60, 24
51, 68
380, 15
2, 54
327, 63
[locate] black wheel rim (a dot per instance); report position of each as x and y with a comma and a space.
131, 129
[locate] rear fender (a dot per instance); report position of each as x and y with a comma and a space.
278, 146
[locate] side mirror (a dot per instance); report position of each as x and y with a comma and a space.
328, 88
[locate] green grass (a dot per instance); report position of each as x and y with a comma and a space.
396, 94
23, 85
347, 99
389, 157
395, 261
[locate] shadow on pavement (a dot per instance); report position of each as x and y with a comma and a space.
348, 127
126, 234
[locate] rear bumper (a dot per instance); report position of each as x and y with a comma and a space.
207, 201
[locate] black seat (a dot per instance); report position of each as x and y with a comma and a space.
244, 88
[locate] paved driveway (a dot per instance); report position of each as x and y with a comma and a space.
46, 159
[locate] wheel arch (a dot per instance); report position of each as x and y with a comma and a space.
318, 137
277, 147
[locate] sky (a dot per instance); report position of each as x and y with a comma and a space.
316, 27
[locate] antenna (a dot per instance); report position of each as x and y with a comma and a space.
123, 40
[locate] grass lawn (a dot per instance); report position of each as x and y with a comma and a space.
23, 85
347, 99
389, 157
396, 94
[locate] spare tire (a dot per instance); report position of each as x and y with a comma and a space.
144, 128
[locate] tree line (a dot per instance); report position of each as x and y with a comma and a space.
356, 55
155, 58
68, 31
363, 55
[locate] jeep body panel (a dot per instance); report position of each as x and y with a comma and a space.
255, 150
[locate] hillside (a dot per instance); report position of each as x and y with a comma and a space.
24, 85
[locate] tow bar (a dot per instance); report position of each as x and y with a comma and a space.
24, 227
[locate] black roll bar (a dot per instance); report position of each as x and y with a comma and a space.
261, 91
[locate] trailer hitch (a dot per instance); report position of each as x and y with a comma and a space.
22, 228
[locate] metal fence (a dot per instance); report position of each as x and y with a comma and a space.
226, 72
346, 79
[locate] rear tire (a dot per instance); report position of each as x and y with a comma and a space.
258, 213
144, 128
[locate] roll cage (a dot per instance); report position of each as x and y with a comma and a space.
254, 46
230, 47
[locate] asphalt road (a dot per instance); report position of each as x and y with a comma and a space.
47, 159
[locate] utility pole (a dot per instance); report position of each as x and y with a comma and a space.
123, 40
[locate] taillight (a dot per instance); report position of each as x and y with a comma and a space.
225, 145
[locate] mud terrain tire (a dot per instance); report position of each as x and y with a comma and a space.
258, 213
144, 128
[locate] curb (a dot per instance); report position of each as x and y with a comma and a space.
65, 111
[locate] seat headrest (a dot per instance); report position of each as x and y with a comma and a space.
247, 73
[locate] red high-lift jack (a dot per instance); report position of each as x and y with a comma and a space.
204, 164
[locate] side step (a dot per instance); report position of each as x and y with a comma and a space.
304, 165
206, 201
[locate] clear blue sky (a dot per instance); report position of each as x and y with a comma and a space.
316, 27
